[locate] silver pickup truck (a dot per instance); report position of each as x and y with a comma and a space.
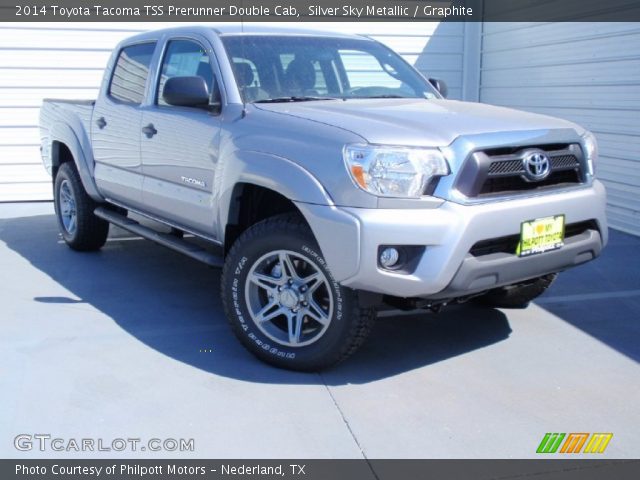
326, 176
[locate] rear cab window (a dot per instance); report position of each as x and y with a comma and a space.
130, 73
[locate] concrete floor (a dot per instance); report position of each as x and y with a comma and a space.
111, 345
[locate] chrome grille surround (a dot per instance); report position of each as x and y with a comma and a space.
501, 171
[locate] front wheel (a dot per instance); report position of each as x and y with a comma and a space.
283, 302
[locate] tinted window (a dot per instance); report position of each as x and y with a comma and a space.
184, 59
131, 72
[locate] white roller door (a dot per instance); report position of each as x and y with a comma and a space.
588, 73
39, 61
66, 60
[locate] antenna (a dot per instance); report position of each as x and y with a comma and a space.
244, 102
242, 17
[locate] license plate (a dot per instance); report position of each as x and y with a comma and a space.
541, 235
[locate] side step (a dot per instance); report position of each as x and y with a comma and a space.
164, 239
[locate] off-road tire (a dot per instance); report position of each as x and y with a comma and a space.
90, 232
349, 325
517, 296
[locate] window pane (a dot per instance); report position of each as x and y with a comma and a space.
292, 66
131, 72
184, 59
364, 70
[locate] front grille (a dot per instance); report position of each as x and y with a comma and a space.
515, 167
509, 243
501, 171
506, 167
504, 184
495, 245
565, 162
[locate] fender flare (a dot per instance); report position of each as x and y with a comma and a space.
272, 172
81, 152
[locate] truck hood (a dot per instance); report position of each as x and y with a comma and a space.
414, 121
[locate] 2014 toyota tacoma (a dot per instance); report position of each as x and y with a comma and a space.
328, 178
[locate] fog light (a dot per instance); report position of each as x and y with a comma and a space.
389, 257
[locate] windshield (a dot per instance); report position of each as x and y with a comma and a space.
272, 68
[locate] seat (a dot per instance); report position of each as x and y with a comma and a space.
204, 71
245, 79
300, 77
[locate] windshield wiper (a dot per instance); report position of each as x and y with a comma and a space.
293, 99
382, 96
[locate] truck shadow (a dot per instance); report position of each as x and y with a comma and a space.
171, 304
602, 298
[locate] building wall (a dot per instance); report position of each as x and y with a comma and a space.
66, 60
588, 73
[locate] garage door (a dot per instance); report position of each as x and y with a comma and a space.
66, 61
588, 73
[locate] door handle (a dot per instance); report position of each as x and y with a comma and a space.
101, 122
149, 130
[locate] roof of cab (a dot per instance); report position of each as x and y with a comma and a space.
234, 29
237, 29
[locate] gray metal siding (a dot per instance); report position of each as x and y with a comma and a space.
588, 73
65, 60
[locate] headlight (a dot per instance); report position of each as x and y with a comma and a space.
394, 171
591, 151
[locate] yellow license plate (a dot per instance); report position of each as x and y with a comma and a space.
541, 235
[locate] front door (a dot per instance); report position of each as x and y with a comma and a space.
179, 145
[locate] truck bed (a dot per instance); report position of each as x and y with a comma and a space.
73, 113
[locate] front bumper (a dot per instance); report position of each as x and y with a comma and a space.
350, 237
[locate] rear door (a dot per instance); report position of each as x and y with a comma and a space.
179, 145
115, 129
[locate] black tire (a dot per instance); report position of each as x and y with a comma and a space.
517, 296
89, 233
347, 327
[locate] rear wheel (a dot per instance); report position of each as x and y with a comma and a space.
518, 296
283, 303
80, 228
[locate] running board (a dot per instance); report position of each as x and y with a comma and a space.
167, 240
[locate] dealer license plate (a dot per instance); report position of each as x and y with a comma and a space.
541, 235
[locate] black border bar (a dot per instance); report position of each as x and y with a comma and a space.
319, 10
363, 469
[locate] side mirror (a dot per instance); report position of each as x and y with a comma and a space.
440, 86
186, 92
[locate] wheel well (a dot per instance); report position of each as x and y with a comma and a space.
249, 205
60, 154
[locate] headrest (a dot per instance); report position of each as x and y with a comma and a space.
301, 74
244, 74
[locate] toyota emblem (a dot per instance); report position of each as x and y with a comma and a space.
537, 165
